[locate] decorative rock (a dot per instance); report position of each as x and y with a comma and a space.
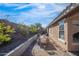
37, 51
43, 39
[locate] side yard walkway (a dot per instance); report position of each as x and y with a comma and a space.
47, 50
38, 51
43, 48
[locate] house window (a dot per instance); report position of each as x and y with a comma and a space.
61, 29
76, 37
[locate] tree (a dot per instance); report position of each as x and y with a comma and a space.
4, 32
38, 25
23, 29
39, 28
33, 29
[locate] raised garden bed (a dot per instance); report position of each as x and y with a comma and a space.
17, 39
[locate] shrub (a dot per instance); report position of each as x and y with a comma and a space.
33, 29
23, 29
5, 38
4, 32
9, 29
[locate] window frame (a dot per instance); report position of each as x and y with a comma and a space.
60, 24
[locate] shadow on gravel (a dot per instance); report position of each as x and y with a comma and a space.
47, 46
75, 53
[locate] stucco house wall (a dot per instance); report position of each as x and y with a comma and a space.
54, 35
72, 29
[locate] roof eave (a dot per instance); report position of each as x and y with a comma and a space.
63, 14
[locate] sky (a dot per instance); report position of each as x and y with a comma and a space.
31, 13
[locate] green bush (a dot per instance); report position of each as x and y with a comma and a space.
27, 30
5, 31
33, 29
5, 38
23, 29
9, 29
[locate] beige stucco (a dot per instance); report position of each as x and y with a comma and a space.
71, 30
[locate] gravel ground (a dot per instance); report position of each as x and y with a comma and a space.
38, 51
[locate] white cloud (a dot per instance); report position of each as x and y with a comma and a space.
40, 13
21, 7
37, 5
41, 9
55, 8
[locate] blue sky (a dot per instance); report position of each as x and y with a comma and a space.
30, 13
